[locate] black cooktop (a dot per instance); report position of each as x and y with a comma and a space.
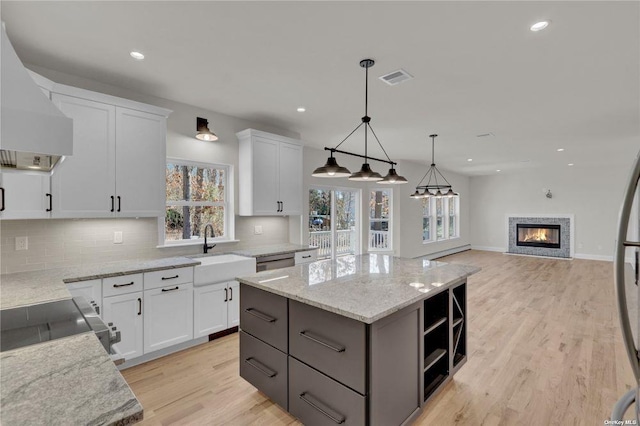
29, 325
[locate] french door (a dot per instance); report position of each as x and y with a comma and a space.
334, 221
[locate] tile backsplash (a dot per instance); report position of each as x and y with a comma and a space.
55, 243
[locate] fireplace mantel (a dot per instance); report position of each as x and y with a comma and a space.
568, 238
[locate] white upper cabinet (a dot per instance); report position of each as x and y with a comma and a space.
24, 195
118, 162
270, 174
84, 184
140, 163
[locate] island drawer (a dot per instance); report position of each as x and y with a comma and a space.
264, 367
328, 342
264, 315
167, 277
316, 399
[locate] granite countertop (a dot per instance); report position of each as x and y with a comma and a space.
365, 287
68, 381
272, 250
30, 288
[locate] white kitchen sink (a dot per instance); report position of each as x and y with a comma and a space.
223, 267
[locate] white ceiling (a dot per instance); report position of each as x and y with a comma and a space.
477, 69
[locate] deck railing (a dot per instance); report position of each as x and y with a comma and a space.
345, 242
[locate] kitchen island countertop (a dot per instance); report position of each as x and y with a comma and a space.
364, 287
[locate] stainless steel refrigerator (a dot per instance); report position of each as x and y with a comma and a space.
627, 290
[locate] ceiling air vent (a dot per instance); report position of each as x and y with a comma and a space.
396, 77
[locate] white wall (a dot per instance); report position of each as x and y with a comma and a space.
593, 195
407, 212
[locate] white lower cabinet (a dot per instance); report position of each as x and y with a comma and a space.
125, 312
233, 305
168, 316
216, 308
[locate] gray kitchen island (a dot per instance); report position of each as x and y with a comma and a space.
360, 340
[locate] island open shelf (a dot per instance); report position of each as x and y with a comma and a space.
327, 354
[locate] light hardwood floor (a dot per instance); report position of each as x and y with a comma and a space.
544, 349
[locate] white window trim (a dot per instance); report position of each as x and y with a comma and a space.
390, 220
433, 222
229, 213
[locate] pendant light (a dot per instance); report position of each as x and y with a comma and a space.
442, 189
332, 170
203, 133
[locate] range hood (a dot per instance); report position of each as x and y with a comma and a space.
34, 133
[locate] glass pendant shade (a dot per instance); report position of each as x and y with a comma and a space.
393, 178
203, 132
331, 170
366, 175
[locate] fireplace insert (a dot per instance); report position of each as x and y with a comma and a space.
536, 235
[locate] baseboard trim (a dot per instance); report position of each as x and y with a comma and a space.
162, 352
488, 248
593, 257
443, 253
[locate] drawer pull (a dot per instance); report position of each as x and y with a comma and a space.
170, 289
123, 285
256, 313
261, 367
321, 342
338, 420
306, 257
169, 278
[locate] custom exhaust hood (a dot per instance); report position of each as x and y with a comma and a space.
34, 133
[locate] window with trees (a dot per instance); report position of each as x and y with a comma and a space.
440, 218
196, 196
380, 220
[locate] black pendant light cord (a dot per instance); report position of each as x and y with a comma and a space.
433, 171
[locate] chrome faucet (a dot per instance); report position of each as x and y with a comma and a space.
213, 235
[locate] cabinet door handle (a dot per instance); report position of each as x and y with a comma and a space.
231, 292
139, 306
318, 340
338, 420
119, 203
281, 206
113, 206
278, 210
50, 202
169, 278
123, 285
170, 289
306, 257
2, 196
226, 295
256, 313
261, 367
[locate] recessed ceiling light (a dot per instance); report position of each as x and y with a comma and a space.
301, 109
570, 164
137, 55
539, 26
469, 159
560, 149
498, 170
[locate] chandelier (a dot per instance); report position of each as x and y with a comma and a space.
442, 189
332, 170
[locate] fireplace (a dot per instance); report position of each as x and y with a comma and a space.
541, 235
538, 235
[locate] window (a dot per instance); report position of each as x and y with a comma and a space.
197, 194
380, 220
440, 218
